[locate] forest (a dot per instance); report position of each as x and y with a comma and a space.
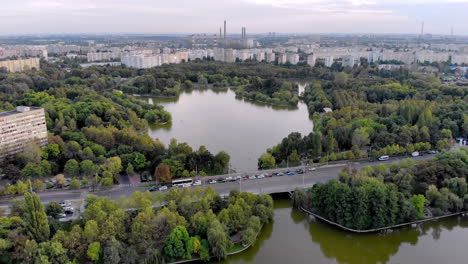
144, 228
371, 117
387, 195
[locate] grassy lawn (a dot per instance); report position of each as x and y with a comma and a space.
235, 247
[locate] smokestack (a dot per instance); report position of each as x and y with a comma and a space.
422, 28
245, 33
220, 33
224, 29
242, 32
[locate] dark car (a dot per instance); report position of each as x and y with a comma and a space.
154, 188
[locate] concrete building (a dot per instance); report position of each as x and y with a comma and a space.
20, 65
311, 59
103, 56
270, 57
19, 127
292, 58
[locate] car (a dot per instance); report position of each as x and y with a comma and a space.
197, 183
212, 181
382, 158
246, 177
253, 177
261, 176
186, 185
433, 151
163, 188
280, 174
291, 173
228, 179
62, 215
415, 154
311, 169
300, 171
68, 210
238, 177
153, 188
220, 180
268, 175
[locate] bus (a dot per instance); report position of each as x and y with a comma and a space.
182, 182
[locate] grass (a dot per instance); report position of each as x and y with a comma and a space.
235, 247
147, 185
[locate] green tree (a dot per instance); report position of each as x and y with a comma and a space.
53, 209
35, 217
218, 240
93, 251
75, 184
54, 252
175, 246
266, 161
88, 168
419, 201
71, 168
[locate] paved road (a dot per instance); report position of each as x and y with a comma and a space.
266, 185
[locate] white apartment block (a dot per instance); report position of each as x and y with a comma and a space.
103, 56
19, 127
20, 65
292, 58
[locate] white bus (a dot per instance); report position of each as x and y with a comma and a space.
182, 182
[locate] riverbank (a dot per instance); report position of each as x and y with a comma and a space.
387, 228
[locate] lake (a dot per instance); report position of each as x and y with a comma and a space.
293, 238
220, 121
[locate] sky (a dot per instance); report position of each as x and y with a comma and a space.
258, 16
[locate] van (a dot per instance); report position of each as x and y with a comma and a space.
382, 158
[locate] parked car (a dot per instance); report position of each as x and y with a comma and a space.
238, 177
433, 151
291, 173
253, 177
228, 179
197, 183
311, 169
62, 215
68, 210
382, 158
415, 154
261, 176
280, 174
300, 171
163, 188
212, 181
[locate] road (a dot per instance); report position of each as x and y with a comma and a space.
266, 185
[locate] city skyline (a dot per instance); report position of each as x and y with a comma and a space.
258, 16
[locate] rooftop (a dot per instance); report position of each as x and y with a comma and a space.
19, 109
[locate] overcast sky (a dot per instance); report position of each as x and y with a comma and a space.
259, 16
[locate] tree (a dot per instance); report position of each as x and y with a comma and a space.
74, 184
93, 251
91, 231
218, 240
88, 168
266, 161
32, 153
60, 180
54, 252
53, 209
162, 173
114, 165
361, 137
21, 188
72, 168
35, 217
175, 245
38, 185
419, 201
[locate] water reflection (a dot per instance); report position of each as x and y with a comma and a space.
216, 119
294, 238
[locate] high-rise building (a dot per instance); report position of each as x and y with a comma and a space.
19, 127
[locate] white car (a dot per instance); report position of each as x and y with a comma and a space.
197, 183
311, 169
229, 179
212, 181
163, 188
261, 176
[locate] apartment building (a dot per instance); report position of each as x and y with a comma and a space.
19, 127
20, 65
